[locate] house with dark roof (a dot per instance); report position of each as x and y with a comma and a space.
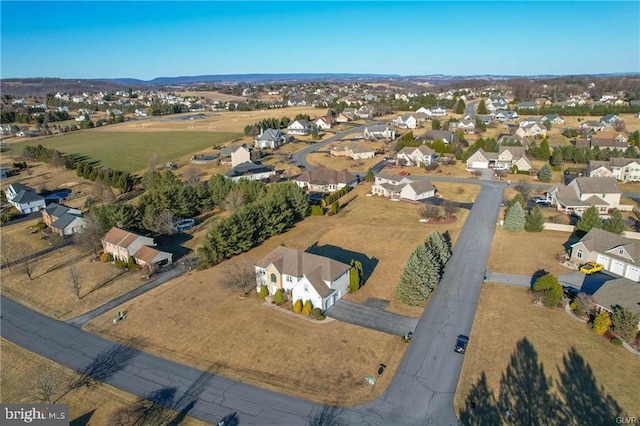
621, 292
444, 135
299, 127
623, 169
63, 220
399, 187
24, 198
584, 192
250, 171
123, 244
321, 179
305, 276
619, 255
610, 120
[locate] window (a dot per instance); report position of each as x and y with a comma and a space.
579, 254
289, 279
273, 278
621, 251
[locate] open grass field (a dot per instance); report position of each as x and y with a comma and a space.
196, 320
51, 292
128, 151
527, 252
340, 163
95, 405
505, 316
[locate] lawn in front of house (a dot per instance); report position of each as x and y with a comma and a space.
506, 315
22, 369
196, 320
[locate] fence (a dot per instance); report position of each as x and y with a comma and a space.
571, 228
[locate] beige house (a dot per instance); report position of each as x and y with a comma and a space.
354, 150
123, 244
321, 179
402, 187
623, 169
584, 192
241, 154
416, 156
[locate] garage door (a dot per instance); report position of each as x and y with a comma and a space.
617, 267
603, 260
479, 165
633, 273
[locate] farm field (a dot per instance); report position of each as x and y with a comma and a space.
196, 320
127, 151
504, 318
88, 405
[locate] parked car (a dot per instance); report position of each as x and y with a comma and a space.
461, 344
404, 173
591, 268
570, 292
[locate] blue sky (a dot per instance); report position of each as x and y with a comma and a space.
165, 39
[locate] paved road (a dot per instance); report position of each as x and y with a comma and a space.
300, 157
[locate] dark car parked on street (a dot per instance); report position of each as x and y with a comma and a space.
461, 344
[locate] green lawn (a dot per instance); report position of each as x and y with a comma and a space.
129, 151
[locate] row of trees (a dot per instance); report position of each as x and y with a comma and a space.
591, 219
423, 269
272, 123
277, 210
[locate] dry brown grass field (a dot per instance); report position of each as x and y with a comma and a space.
505, 316
340, 163
51, 292
18, 378
527, 252
196, 320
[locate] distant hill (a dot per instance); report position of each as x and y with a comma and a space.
250, 78
22, 87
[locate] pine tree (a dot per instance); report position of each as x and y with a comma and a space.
482, 107
460, 106
545, 174
515, 218
518, 198
615, 223
625, 323
413, 288
534, 221
369, 177
590, 219
437, 245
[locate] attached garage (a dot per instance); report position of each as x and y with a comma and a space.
480, 165
603, 260
617, 267
633, 273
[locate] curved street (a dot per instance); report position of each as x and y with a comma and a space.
420, 393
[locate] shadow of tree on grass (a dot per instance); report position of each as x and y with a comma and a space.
527, 394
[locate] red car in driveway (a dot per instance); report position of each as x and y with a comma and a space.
404, 173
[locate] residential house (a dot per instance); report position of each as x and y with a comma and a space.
444, 135
250, 171
610, 120
530, 120
416, 156
496, 103
271, 138
619, 292
439, 111
241, 154
592, 125
509, 156
532, 130
321, 179
505, 115
426, 111
354, 150
402, 187
511, 139
305, 276
618, 255
406, 121
24, 198
527, 105
593, 142
481, 159
299, 127
379, 131
123, 244
552, 118
623, 169
485, 118
365, 112
466, 125
612, 134
325, 123
63, 220
584, 192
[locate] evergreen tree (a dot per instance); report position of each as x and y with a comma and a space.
435, 124
545, 174
482, 107
616, 223
625, 323
369, 177
534, 221
437, 245
557, 158
518, 198
460, 107
590, 219
543, 152
550, 288
515, 218
416, 281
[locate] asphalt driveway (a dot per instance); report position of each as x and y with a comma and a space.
374, 318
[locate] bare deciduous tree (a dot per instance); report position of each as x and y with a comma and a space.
56, 240
56, 160
45, 384
524, 189
102, 192
476, 173
74, 277
191, 175
164, 222
234, 200
89, 238
6, 247
450, 208
240, 275
429, 211
23, 253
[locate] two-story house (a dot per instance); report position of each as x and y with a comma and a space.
416, 156
321, 280
584, 192
406, 121
63, 220
241, 154
354, 150
123, 244
270, 138
299, 127
623, 169
24, 198
379, 131
509, 156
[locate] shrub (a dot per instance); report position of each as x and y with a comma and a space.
625, 323
550, 288
106, 257
264, 292
616, 342
316, 313
317, 210
121, 263
573, 306
306, 309
297, 307
601, 323
583, 305
278, 297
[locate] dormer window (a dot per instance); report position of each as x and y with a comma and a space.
621, 251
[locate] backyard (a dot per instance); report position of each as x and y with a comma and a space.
583, 367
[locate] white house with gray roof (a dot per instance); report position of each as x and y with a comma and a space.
584, 192
24, 198
321, 280
379, 131
619, 255
416, 156
271, 138
299, 127
402, 187
406, 121
623, 169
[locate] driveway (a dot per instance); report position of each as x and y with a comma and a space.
375, 318
300, 157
